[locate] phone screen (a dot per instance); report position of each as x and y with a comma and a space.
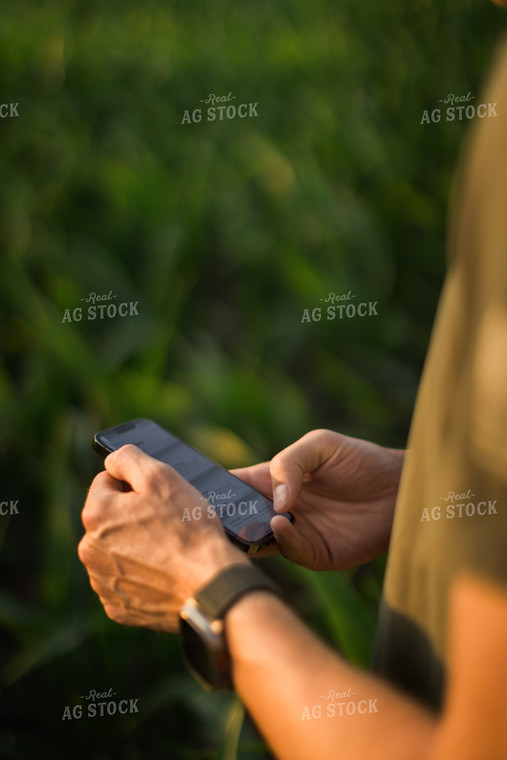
244, 511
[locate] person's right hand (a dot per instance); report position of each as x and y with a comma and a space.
342, 492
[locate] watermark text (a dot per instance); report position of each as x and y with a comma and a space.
9, 508
9, 110
225, 509
220, 108
459, 506
462, 112
339, 704
101, 306
100, 705
339, 308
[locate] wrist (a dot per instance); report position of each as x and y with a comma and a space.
202, 621
211, 558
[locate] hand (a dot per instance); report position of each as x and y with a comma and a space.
143, 559
342, 492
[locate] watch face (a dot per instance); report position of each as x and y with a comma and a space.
205, 649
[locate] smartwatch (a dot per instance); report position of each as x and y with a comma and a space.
202, 627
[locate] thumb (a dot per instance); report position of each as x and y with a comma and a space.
287, 471
289, 467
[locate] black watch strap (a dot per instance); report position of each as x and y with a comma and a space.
226, 588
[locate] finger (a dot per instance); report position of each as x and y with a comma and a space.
290, 542
103, 485
256, 476
135, 467
126, 608
94, 557
289, 467
101, 494
114, 606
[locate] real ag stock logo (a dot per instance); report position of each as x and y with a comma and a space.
457, 506
101, 306
100, 705
340, 307
459, 108
339, 704
220, 505
220, 108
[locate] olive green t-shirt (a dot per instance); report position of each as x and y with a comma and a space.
451, 513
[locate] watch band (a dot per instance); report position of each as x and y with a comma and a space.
226, 588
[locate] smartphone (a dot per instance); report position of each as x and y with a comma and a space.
245, 512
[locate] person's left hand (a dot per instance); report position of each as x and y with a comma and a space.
143, 559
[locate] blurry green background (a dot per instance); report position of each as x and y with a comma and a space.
224, 233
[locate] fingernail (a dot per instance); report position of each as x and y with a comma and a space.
280, 496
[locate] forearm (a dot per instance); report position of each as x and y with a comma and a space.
282, 671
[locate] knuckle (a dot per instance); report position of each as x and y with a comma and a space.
161, 478
123, 453
84, 551
319, 435
112, 610
116, 613
126, 451
98, 503
154, 474
96, 585
90, 516
277, 462
285, 458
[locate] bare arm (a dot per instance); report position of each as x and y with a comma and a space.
307, 701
